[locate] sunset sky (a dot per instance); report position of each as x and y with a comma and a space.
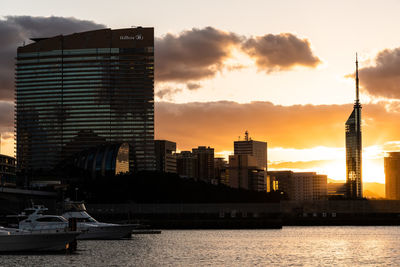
283, 70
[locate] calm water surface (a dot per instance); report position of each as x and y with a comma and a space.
291, 246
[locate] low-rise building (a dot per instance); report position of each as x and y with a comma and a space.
7, 171
301, 186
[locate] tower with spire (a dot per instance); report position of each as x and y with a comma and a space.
354, 148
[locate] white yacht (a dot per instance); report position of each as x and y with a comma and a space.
37, 221
92, 228
15, 240
88, 227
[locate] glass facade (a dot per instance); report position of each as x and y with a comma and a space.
354, 153
104, 160
82, 90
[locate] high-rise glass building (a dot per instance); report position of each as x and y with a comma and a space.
82, 90
354, 149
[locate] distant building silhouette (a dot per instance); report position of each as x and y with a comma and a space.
392, 175
354, 149
78, 91
257, 149
245, 173
186, 164
165, 156
337, 190
248, 165
7, 171
204, 168
301, 186
221, 171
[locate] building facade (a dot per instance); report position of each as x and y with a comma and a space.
221, 169
301, 186
186, 164
165, 156
257, 149
244, 173
248, 165
82, 90
392, 175
354, 149
204, 166
7, 171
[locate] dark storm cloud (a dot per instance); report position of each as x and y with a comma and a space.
15, 30
192, 55
383, 79
280, 52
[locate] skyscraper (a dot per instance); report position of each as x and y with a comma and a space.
354, 148
392, 175
82, 90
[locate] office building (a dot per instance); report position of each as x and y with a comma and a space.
221, 171
7, 171
257, 149
245, 173
78, 91
186, 164
165, 156
354, 149
301, 186
392, 175
248, 165
204, 166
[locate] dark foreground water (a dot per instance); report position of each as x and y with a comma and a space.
291, 246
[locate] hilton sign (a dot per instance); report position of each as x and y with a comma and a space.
135, 37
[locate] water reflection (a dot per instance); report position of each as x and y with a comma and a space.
291, 246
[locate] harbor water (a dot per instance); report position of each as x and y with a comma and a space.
290, 246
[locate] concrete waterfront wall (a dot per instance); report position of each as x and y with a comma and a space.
342, 206
187, 208
193, 216
253, 215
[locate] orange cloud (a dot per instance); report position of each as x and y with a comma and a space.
218, 124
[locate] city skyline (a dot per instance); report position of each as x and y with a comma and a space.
298, 106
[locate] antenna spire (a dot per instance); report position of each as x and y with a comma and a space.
357, 89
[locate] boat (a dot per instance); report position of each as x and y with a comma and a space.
92, 228
37, 221
16, 240
88, 227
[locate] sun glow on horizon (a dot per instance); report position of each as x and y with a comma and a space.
324, 160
